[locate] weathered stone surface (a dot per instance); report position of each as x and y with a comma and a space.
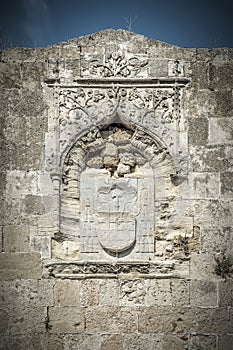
225, 293
16, 239
221, 131
20, 265
218, 240
203, 342
28, 293
166, 292
143, 341
66, 319
109, 292
31, 340
202, 267
175, 342
82, 341
89, 292
184, 320
225, 342
110, 342
111, 320
204, 185
226, 184
66, 293
116, 175
4, 321
198, 131
211, 159
203, 293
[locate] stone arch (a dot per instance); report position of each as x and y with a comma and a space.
124, 159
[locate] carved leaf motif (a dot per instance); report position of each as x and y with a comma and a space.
116, 65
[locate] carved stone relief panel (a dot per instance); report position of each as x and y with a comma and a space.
114, 64
108, 193
115, 157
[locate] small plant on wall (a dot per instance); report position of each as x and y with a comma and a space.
224, 266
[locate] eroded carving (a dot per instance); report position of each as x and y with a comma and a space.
133, 291
82, 269
115, 65
158, 101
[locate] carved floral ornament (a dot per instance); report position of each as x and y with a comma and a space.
134, 103
115, 65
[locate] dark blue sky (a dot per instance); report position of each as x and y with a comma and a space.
186, 23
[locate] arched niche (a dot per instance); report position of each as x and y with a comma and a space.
110, 177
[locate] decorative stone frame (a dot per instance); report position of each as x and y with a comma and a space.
151, 109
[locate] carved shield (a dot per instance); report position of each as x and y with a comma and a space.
116, 207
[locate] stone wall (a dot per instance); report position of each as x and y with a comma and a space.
116, 196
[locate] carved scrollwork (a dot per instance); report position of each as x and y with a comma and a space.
130, 101
86, 269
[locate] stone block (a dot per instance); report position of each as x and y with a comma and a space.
111, 320
158, 68
55, 341
4, 321
220, 75
111, 342
223, 106
203, 342
225, 293
225, 342
226, 184
34, 205
16, 239
89, 292
109, 292
19, 265
212, 159
10, 75
199, 103
72, 69
143, 341
203, 293
1, 237
202, 267
166, 292
82, 342
21, 183
34, 340
200, 74
41, 245
33, 73
216, 213
198, 131
175, 342
218, 240
220, 131
166, 319
213, 321
66, 293
26, 320
183, 320
66, 319
204, 185
27, 294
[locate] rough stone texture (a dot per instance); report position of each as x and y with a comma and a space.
116, 196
